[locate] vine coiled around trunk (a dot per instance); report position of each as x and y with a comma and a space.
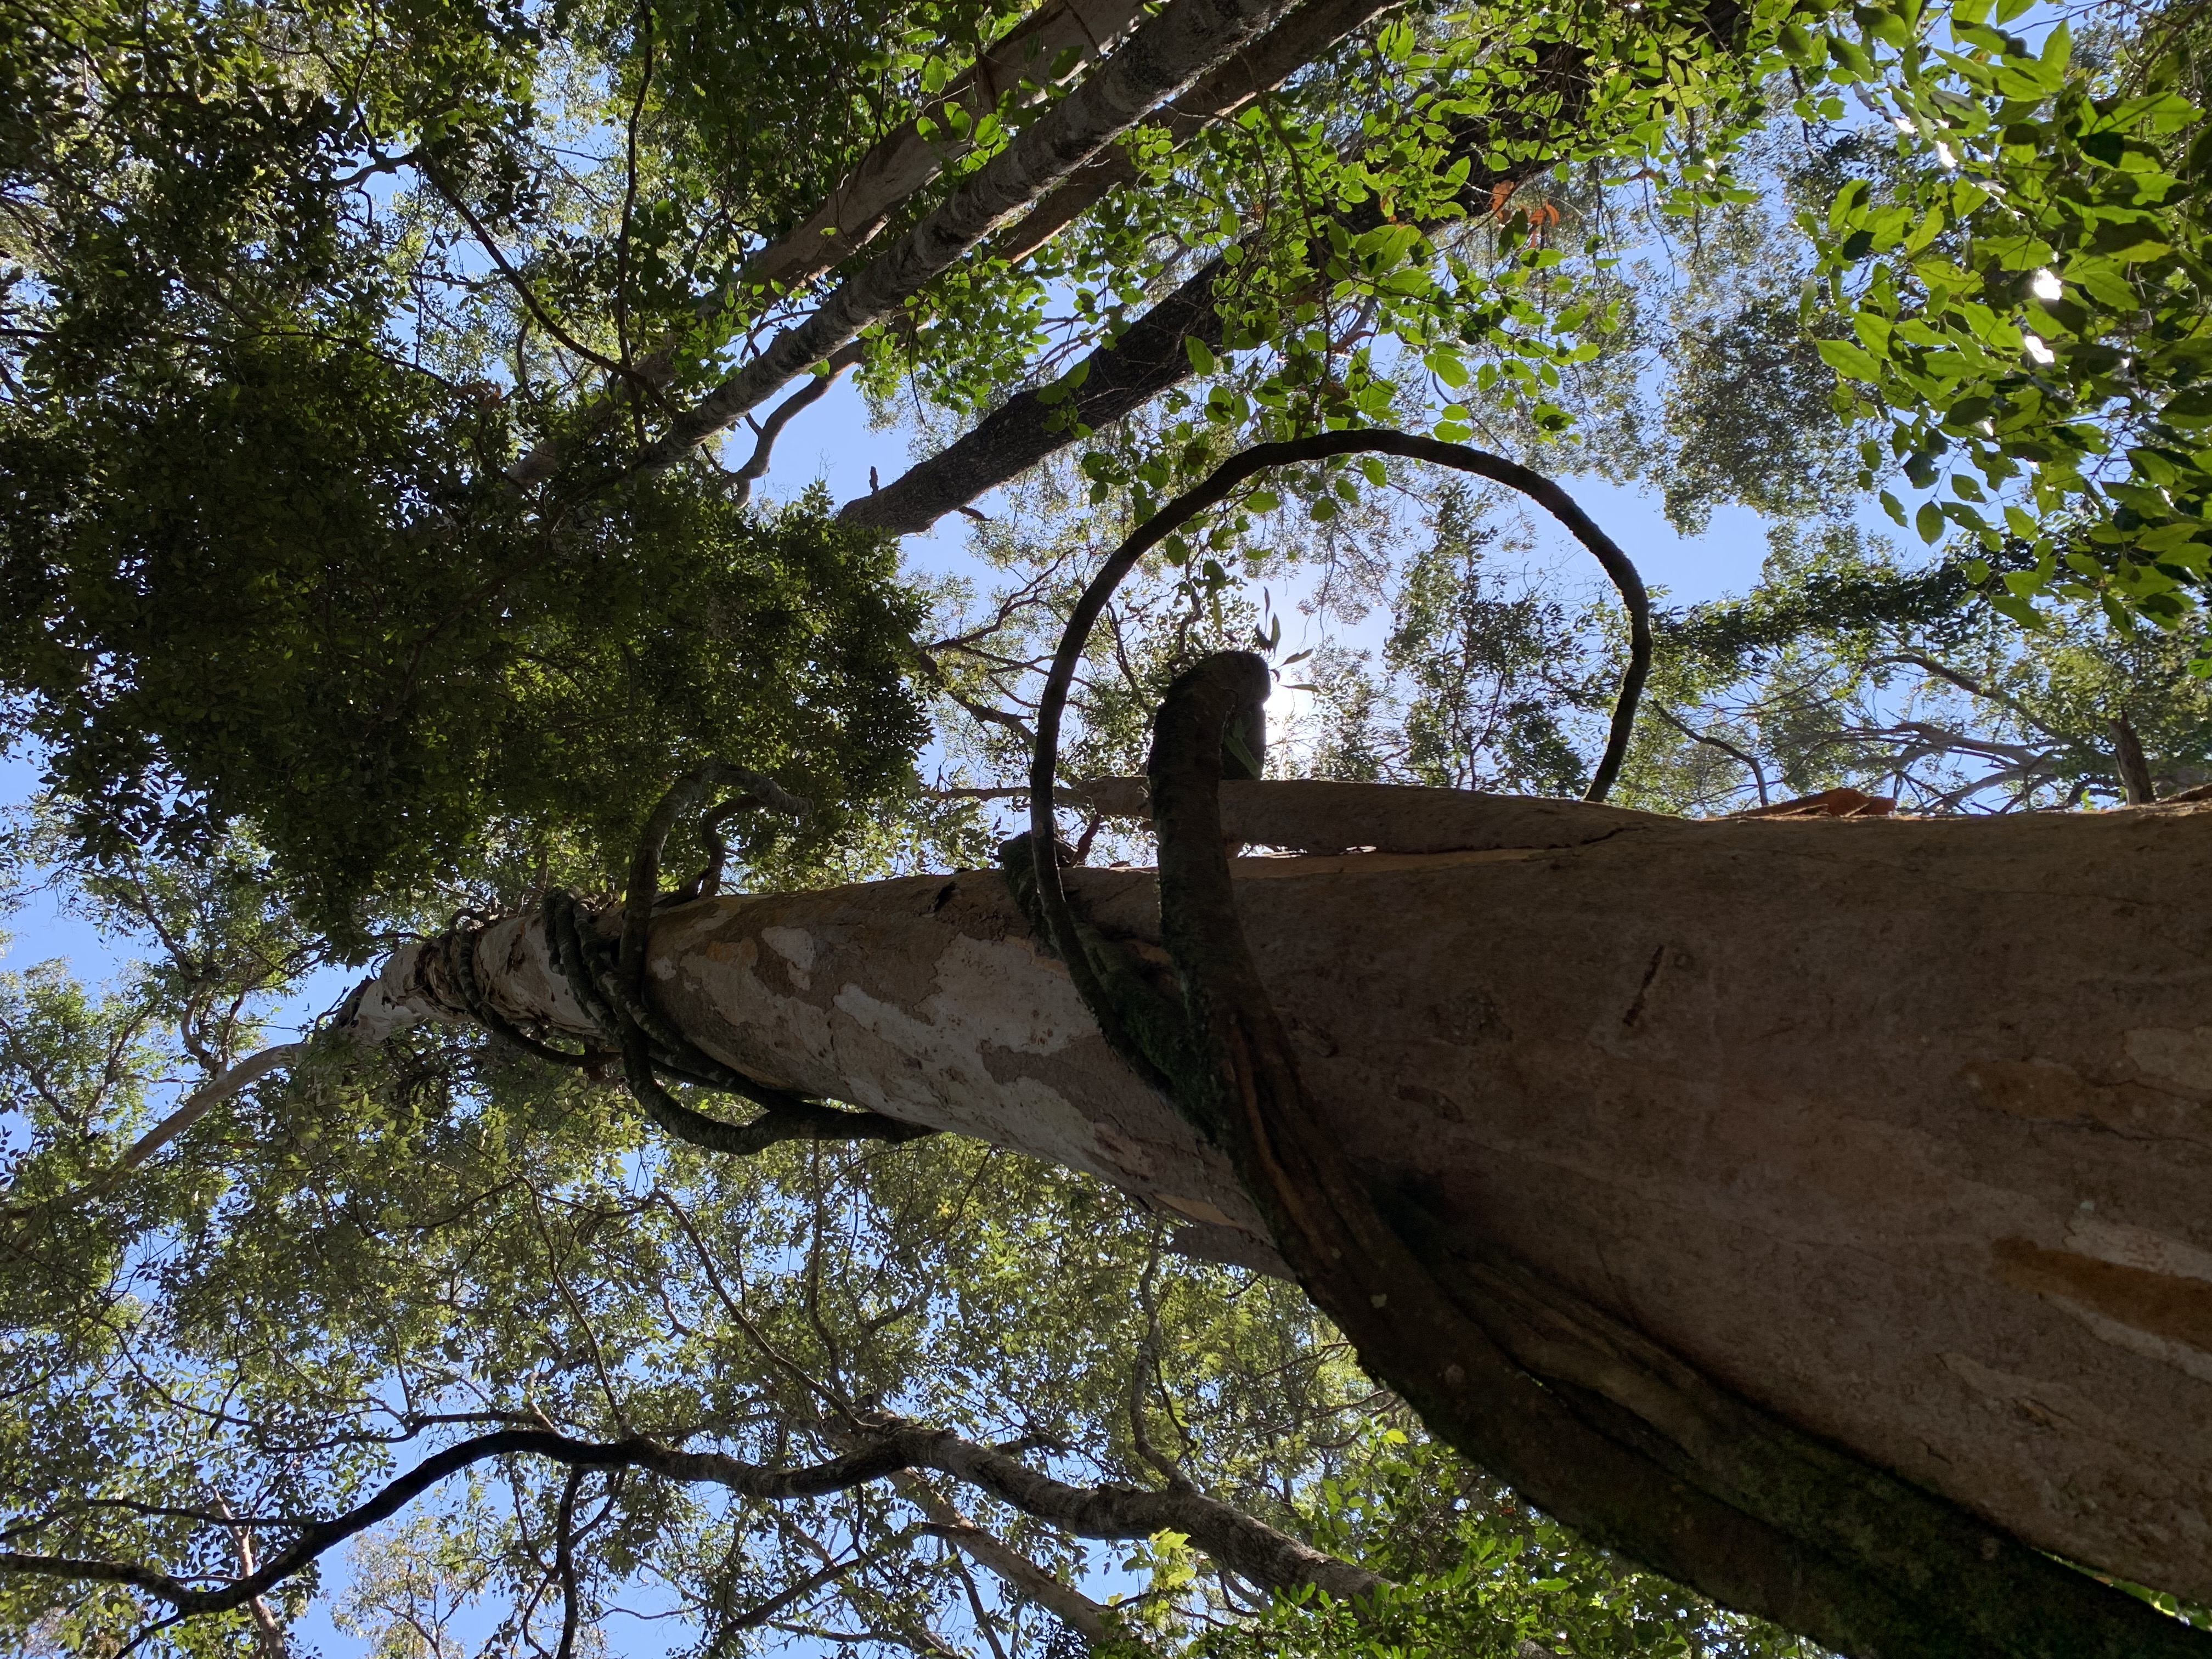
609, 983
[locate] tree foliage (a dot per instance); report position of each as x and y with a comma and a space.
359, 561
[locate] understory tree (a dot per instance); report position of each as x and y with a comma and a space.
1586, 1191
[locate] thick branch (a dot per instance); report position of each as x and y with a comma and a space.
1163, 56
2135, 769
898, 166
1246, 1545
1149, 357
1071, 1606
905, 161
1299, 39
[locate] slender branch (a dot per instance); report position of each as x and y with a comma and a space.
762, 1612
838, 362
268, 1635
194, 1107
381, 164
1965, 683
514, 278
748, 1480
1758, 772
885, 1446
629, 205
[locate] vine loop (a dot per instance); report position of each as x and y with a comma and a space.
1584, 1415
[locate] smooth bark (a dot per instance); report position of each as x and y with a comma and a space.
1898, 1128
894, 169
1302, 37
1062, 34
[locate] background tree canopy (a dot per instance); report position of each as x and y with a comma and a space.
373, 548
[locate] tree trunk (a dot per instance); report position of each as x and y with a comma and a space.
1898, 1128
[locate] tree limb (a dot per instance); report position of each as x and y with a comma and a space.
884, 1446
1149, 355
194, 1107
2134, 768
1067, 1603
1750, 765
899, 165
1300, 38
838, 362
1165, 55
514, 278
905, 161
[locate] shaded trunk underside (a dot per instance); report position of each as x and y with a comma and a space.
1900, 1128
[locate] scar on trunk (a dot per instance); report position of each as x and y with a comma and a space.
1644, 991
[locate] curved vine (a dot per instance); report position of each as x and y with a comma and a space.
1582, 1414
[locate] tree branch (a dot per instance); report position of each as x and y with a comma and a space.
748, 1480
194, 1107
1149, 355
1165, 55
1069, 1605
1300, 38
2134, 768
1965, 682
514, 278
905, 161
885, 1446
837, 362
1758, 773
268, 1635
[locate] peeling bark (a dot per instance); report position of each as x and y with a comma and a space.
1900, 1128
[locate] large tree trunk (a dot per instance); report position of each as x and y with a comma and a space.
1901, 1128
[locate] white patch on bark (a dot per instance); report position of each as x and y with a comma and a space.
988, 994
2136, 1247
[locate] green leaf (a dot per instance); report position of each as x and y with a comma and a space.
1929, 521
1852, 361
